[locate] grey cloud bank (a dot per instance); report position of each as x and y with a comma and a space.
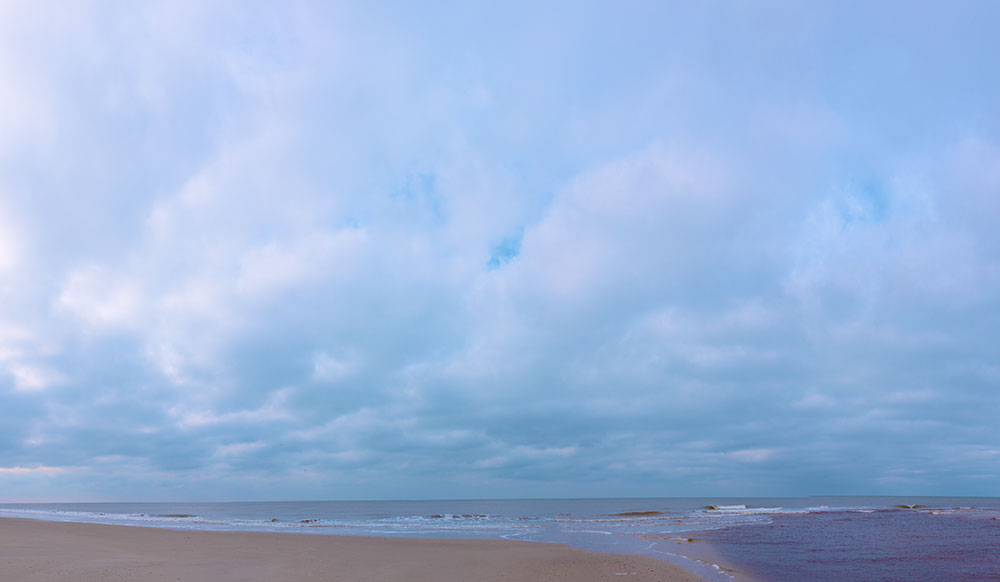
331, 251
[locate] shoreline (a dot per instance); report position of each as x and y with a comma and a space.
700, 553
44, 551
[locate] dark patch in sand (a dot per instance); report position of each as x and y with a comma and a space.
668, 538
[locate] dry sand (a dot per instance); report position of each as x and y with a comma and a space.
38, 551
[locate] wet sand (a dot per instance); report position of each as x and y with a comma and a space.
39, 551
697, 549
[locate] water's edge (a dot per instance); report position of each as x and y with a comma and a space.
679, 531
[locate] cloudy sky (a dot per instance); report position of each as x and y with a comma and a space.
429, 250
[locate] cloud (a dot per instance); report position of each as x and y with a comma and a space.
9, 252
30, 470
330, 369
325, 251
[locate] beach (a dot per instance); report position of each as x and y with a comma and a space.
40, 551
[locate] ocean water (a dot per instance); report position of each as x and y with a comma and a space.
929, 544
840, 539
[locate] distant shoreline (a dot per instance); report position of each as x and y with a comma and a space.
44, 551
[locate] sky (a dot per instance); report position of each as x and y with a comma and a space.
425, 250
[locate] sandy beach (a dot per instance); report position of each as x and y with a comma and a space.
39, 551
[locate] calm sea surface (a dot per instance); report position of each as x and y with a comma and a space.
836, 539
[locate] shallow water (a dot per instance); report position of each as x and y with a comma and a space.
853, 546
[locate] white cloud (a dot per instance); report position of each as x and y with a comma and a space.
101, 298
526, 453
627, 222
330, 369
31, 379
752, 455
26, 113
815, 400
238, 449
32, 470
273, 409
10, 251
268, 269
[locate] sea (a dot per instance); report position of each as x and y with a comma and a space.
815, 539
